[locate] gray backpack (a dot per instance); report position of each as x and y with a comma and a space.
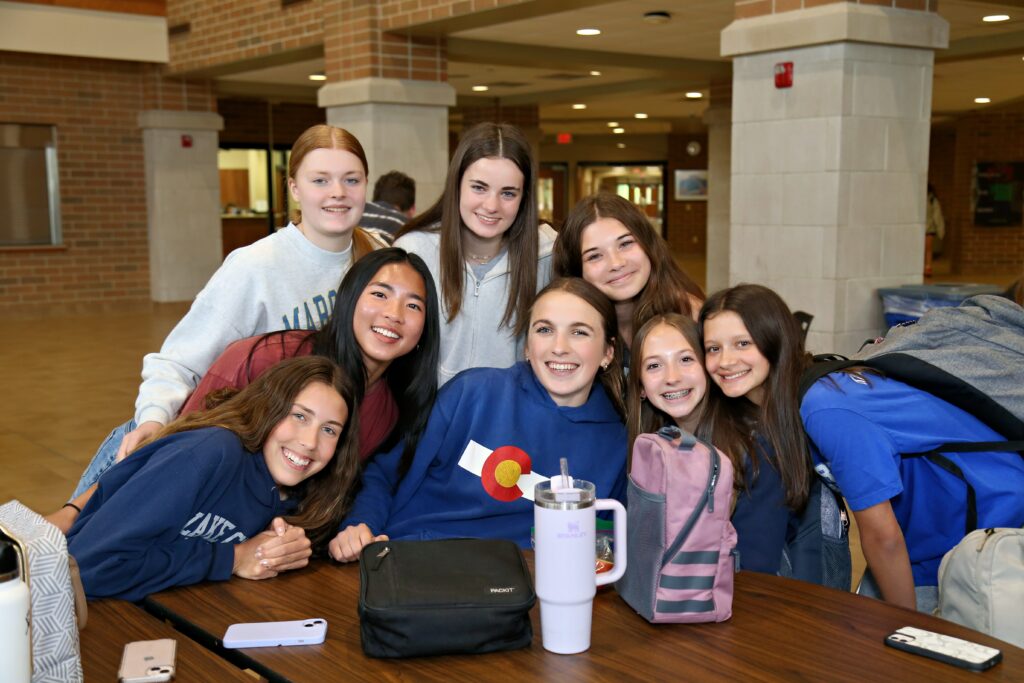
981, 583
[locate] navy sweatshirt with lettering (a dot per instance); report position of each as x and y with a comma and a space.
171, 514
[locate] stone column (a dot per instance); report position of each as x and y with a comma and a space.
402, 125
182, 200
719, 123
829, 176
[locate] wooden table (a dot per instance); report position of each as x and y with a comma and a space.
781, 630
115, 623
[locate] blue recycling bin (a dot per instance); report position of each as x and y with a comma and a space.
909, 302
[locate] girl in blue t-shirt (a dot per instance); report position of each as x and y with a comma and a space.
194, 503
754, 355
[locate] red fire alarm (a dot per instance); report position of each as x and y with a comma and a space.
784, 75
564, 138
186, 141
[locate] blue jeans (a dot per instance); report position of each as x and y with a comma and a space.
104, 459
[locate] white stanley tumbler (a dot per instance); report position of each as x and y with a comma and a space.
565, 560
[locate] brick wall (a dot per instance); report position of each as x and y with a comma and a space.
746, 9
94, 104
981, 136
687, 222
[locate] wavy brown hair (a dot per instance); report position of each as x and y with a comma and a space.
641, 416
668, 289
736, 424
253, 413
486, 141
611, 378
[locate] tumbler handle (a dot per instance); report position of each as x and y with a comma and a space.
619, 540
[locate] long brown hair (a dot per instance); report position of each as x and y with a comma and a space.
735, 424
668, 289
611, 378
323, 136
642, 416
486, 141
253, 413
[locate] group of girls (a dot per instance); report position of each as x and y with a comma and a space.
447, 407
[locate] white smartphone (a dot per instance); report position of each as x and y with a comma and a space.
962, 653
271, 633
148, 661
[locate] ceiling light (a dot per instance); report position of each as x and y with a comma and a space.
613, 124
639, 115
993, 18
579, 106
659, 17
618, 131
319, 76
694, 95
480, 88
621, 145
595, 73
588, 31
982, 100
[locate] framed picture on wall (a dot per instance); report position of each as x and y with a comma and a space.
691, 185
997, 193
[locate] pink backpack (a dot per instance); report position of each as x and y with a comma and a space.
679, 562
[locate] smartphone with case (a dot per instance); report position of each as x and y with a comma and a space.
962, 653
272, 633
148, 661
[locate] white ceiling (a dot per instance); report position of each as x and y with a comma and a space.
628, 85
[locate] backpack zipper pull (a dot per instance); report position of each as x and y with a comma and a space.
711, 487
380, 557
984, 539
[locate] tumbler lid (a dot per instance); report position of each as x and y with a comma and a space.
548, 494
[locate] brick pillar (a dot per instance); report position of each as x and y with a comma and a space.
718, 118
828, 176
390, 91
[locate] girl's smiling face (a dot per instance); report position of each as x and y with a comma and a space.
613, 260
330, 189
672, 376
566, 346
389, 316
733, 360
490, 192
304, 442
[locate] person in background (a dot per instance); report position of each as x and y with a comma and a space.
935, 230
485, 247
394, 203
495, 433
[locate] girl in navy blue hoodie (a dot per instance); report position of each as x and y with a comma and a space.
495, 433
195, 502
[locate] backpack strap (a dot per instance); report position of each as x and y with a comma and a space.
935, 457
824, 364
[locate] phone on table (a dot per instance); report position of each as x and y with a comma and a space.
948, 649
148, 661
272, 633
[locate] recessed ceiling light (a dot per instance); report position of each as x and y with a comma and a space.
993, 18
579, 106
694, 95
618, 131
982, 100
320, 76
639, 115
480, 88
595, 73
613, 124
621, 145
588, 31
659, 17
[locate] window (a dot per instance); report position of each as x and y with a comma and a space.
29, 193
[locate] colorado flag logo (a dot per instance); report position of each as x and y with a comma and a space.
506, 472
